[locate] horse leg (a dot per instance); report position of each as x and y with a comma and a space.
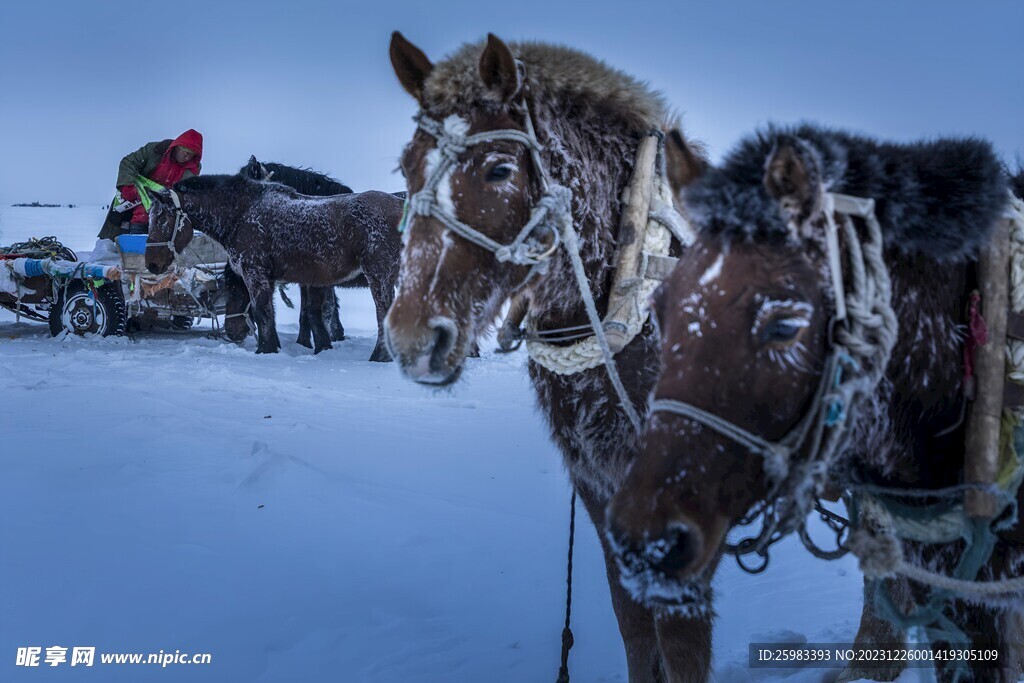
508, 335
1011, 630
636, 622
304, 315
685, 644
329, 313
383, 291
987, 628
236, 306
874, 631
262, 291
321, 338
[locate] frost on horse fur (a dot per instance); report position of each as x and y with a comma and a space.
762, 213
589, 119
272, 233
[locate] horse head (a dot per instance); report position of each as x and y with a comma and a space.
256, 170
170, 230
743, 320
471, 167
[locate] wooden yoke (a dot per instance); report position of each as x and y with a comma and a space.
985, 420
623, 303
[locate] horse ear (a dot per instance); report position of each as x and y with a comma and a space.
252, 168
498, 68
684, 162
791, 176
411, 66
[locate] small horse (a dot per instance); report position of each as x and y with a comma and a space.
271, 232
748, 324
315, 184
589, 120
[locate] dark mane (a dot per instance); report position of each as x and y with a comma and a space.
306, 181
303, 180
210, 183
1017, 183
937, 198
587, 86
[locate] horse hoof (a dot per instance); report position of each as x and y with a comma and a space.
380, 356
322, 348
304, 342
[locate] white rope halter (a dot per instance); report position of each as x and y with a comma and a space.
552, 212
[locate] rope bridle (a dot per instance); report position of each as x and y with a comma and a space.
180, 217
552, 212
863, 333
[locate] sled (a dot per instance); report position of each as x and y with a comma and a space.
110, 291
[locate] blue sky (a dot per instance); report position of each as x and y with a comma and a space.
310, 83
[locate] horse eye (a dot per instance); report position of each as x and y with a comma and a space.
499, 173
782, 330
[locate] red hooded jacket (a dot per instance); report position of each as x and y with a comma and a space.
167, 172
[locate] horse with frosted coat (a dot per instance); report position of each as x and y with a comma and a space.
758, 368
540, 118
271, 233
315, 184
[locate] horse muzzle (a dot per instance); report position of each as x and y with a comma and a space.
430, 354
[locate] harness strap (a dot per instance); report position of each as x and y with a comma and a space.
730, 430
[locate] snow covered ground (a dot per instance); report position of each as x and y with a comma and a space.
310, 518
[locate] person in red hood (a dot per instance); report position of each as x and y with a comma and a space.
165, 163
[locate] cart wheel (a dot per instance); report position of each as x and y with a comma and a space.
80, 311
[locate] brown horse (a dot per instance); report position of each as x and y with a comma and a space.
749, 325
588, 120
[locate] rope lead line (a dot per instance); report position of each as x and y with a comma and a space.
567, 638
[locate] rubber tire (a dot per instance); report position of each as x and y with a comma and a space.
108, 298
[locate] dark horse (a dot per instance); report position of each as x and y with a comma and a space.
747, 322
314, 184
589, 120
271, 233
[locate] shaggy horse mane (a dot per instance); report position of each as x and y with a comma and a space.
235, 183
210, 183
555, 73
937, 198
306, 180
1017, 183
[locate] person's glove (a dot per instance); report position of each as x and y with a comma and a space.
129, 193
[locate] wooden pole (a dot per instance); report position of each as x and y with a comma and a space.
622, 302
981, 460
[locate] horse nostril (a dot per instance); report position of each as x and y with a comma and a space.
677, 551
153, 268
445, 335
